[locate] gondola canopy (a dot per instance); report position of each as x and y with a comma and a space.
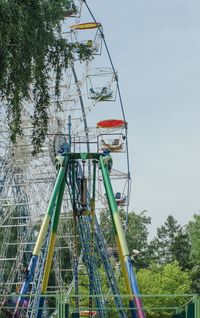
112, 123
85, 26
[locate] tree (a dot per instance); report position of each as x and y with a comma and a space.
136, 234
172, 243
162, 280
32, 49
194, 236
137, 237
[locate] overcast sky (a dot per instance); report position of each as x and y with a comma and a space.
155, 46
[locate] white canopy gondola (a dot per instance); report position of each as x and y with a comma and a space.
101, 84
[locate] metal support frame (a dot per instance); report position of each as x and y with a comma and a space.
51, 247
86, 223
62, 161
127, 269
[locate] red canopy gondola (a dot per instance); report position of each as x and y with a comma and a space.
111, 123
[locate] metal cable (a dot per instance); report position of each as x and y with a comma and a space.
121, 104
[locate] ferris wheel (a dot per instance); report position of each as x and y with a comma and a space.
82, 169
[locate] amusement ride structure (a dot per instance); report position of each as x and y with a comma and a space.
50, 204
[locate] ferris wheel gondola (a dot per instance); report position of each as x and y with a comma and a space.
114, 138
101, 84
91, 38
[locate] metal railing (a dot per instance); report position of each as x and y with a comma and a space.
62, 305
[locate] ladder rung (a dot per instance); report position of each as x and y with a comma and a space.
8, 259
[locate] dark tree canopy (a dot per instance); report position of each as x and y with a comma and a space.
171, 244
194, 236
136, 234
31, 46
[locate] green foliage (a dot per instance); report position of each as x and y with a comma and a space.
195, 277
32, 48
194, 236
137, 236
168, 279
107, 227
172, 243
136, 233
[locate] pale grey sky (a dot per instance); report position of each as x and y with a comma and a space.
155, 46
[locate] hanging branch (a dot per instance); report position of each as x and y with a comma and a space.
31, 47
